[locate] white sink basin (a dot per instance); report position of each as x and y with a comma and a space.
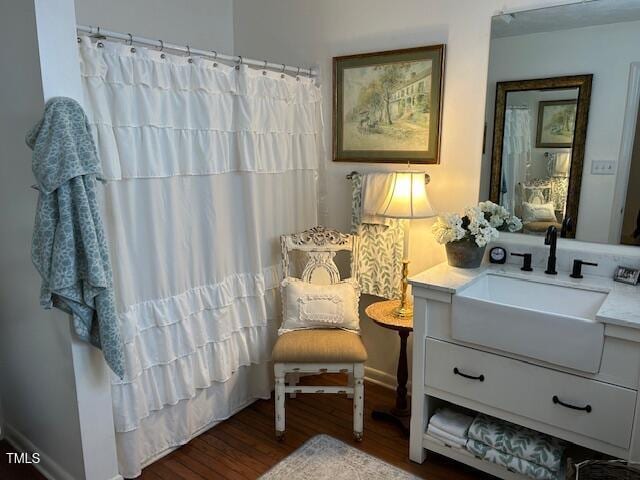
547, 322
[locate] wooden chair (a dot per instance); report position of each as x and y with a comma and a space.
319, 350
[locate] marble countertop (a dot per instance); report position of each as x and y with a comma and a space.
621, 307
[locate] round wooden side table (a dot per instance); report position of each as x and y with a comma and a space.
382, 314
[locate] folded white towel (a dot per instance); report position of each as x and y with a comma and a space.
375, 187
451, 421
446, 437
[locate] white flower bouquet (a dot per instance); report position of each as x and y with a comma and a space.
466, 237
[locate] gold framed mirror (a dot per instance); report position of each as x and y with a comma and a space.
542, 191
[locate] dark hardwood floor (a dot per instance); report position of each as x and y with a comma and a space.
244, 447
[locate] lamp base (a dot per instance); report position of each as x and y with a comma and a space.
405, 309
403, 312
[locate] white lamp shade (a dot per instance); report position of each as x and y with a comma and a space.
407, 197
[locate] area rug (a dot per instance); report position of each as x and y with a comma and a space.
325, 458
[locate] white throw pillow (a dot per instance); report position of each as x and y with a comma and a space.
306, 305
538, 212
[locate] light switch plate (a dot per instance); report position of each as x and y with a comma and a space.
603, 167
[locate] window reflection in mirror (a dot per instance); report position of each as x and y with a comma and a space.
553, 156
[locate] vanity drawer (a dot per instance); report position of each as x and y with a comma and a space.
531, 391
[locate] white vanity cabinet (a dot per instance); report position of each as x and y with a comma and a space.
593, 409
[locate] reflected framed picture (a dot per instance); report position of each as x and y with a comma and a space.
556, 123
387, 106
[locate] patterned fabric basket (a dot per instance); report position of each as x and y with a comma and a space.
603, 470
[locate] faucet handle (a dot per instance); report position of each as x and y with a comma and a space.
526, 264
576, 272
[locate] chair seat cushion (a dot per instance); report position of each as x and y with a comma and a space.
319, 345
540, 226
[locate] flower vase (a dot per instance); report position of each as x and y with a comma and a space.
464, 253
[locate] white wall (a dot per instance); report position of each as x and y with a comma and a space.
206, 24
36, 370
313, 31
606, 51
55, 395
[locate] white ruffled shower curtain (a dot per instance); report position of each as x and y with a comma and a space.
516, 154
206, 166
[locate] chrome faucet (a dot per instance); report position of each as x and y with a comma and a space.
551, 239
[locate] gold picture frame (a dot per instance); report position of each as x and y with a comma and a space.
556, 123
387, 106
580, 82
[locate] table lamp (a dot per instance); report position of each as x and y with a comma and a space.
406, 199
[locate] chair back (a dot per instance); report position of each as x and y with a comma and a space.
320, 245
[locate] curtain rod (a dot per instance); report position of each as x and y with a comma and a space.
212, 54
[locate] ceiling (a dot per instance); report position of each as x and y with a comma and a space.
564, 17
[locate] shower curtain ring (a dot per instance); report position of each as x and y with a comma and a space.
162, 55
239, 62
264, 68
215, 57
298, 74
97, 36
189, 59
282, 71
132, 49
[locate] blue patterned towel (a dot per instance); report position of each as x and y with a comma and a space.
69, 246
518, 441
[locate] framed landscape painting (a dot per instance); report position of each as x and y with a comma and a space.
387, 106
556, 123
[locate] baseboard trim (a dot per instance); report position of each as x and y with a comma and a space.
382, 378
47, 466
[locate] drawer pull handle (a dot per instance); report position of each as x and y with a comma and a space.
470, 377
556, 400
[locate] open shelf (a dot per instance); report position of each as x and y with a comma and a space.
466, 457
573, 453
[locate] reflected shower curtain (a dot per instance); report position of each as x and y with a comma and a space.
206, 166
516, 153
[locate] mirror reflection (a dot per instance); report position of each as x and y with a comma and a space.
562, 108
537, 135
